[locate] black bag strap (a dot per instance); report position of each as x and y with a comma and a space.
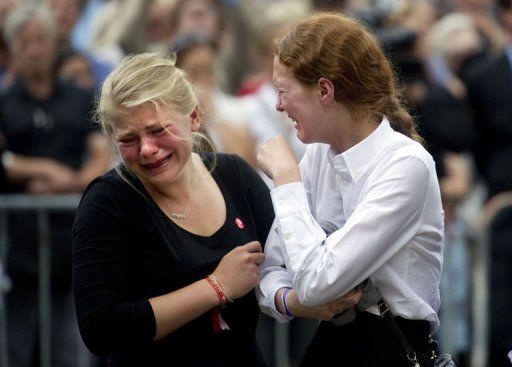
372, 296
388, 316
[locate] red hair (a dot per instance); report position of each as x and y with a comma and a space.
338, 48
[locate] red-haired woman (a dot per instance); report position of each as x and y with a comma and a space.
364, 201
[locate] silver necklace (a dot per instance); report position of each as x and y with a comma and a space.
183, 214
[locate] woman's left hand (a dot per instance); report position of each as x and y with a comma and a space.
278, 161
323, 312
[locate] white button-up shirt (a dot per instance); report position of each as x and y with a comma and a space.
373, 211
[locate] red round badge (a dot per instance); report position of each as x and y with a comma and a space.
239, 223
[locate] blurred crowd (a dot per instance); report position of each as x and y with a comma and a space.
453, 59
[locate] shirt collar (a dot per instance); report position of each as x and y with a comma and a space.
358, 158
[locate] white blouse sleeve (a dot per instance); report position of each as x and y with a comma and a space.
276, 271
382, 223
273, 275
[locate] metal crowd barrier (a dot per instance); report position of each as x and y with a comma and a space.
42, 205
479, 353
481, 292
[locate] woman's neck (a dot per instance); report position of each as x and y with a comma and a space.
347, 132
180, 188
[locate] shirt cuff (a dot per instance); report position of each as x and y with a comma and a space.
266, 292
289, 198
7, 159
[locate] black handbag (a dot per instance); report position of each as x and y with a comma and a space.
441, 360
372, 296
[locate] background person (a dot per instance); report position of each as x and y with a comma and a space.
51, 148
224, 117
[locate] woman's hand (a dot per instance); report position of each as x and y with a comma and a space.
238, 271
54, 178
321, 312
278, 161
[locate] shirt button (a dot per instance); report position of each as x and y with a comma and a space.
287, 236
281, 202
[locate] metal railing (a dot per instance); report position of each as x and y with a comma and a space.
481, 267
42, 205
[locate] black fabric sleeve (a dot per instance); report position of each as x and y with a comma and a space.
259, 198
110, 317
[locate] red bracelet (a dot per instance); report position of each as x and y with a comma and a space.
221, 295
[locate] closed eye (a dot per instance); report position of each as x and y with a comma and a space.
159, 131
127, 140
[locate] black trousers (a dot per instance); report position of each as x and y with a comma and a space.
367, 342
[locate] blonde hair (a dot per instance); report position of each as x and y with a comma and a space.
147, 80
441, 36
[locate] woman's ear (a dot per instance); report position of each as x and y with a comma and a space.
195, 119
326, 90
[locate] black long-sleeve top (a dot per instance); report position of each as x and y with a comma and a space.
126, 251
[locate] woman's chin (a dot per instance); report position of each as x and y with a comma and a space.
302, 137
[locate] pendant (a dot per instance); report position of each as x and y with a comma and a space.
178, 215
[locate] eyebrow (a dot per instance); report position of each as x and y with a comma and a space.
147, 128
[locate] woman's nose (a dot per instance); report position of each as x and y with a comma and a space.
147, 146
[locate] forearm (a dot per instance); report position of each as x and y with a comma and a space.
325, 267
287, 175
108, 325
178, 308
271, 283
293, 305
19, 168
288, 303
274, 276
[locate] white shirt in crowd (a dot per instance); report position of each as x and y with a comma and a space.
373, 211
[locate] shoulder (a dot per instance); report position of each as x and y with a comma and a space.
111, 204
71, 92
409, 155
491, 66
237, 173
112, 188
229, 163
